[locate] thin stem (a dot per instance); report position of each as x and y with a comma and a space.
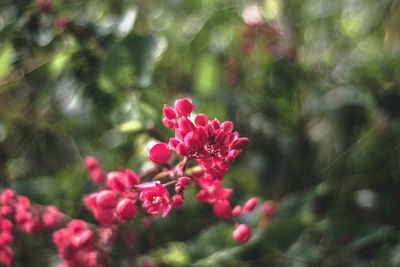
169, 183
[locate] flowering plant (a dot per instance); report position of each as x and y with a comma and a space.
210, 144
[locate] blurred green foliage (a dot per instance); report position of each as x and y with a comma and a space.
313, 84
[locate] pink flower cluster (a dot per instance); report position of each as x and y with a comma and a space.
211, 144
80, 246
16, 214
117, 203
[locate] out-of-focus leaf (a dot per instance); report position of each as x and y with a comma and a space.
206, 76
175, 254
6, 55
131, 126
129, 62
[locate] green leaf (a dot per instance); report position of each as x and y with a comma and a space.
131, 126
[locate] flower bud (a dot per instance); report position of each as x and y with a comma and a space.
104, 216
250, 204
237, 211
6, 237
115, 180
169, 112
240, 143
242, 233
168, 123
92, 163
77, 225
159, 153
6, 225
126, 209
131, 178
182, 150
227, 126
184, 107
201, 120
177, 200
7, 196
106, 199
52, 217
184, 181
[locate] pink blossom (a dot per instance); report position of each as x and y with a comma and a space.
222, 209
212, 192
156, 199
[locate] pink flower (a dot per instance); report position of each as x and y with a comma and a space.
159, 153
156, 199
242, 233
250, 204
212, 192
222, 209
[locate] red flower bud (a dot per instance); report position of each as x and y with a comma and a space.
131, 178
201, 120
242, 233
77, 225
52, 217
159, 153
250, 204
184, 107
6, 225
182, 150
168, 123
6, 237
184, 181
116, 181
240, 143
126, 209
237, 211
177, 200
169, 112
104, 216
7, 196
92, 163
227, 126
106, 199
